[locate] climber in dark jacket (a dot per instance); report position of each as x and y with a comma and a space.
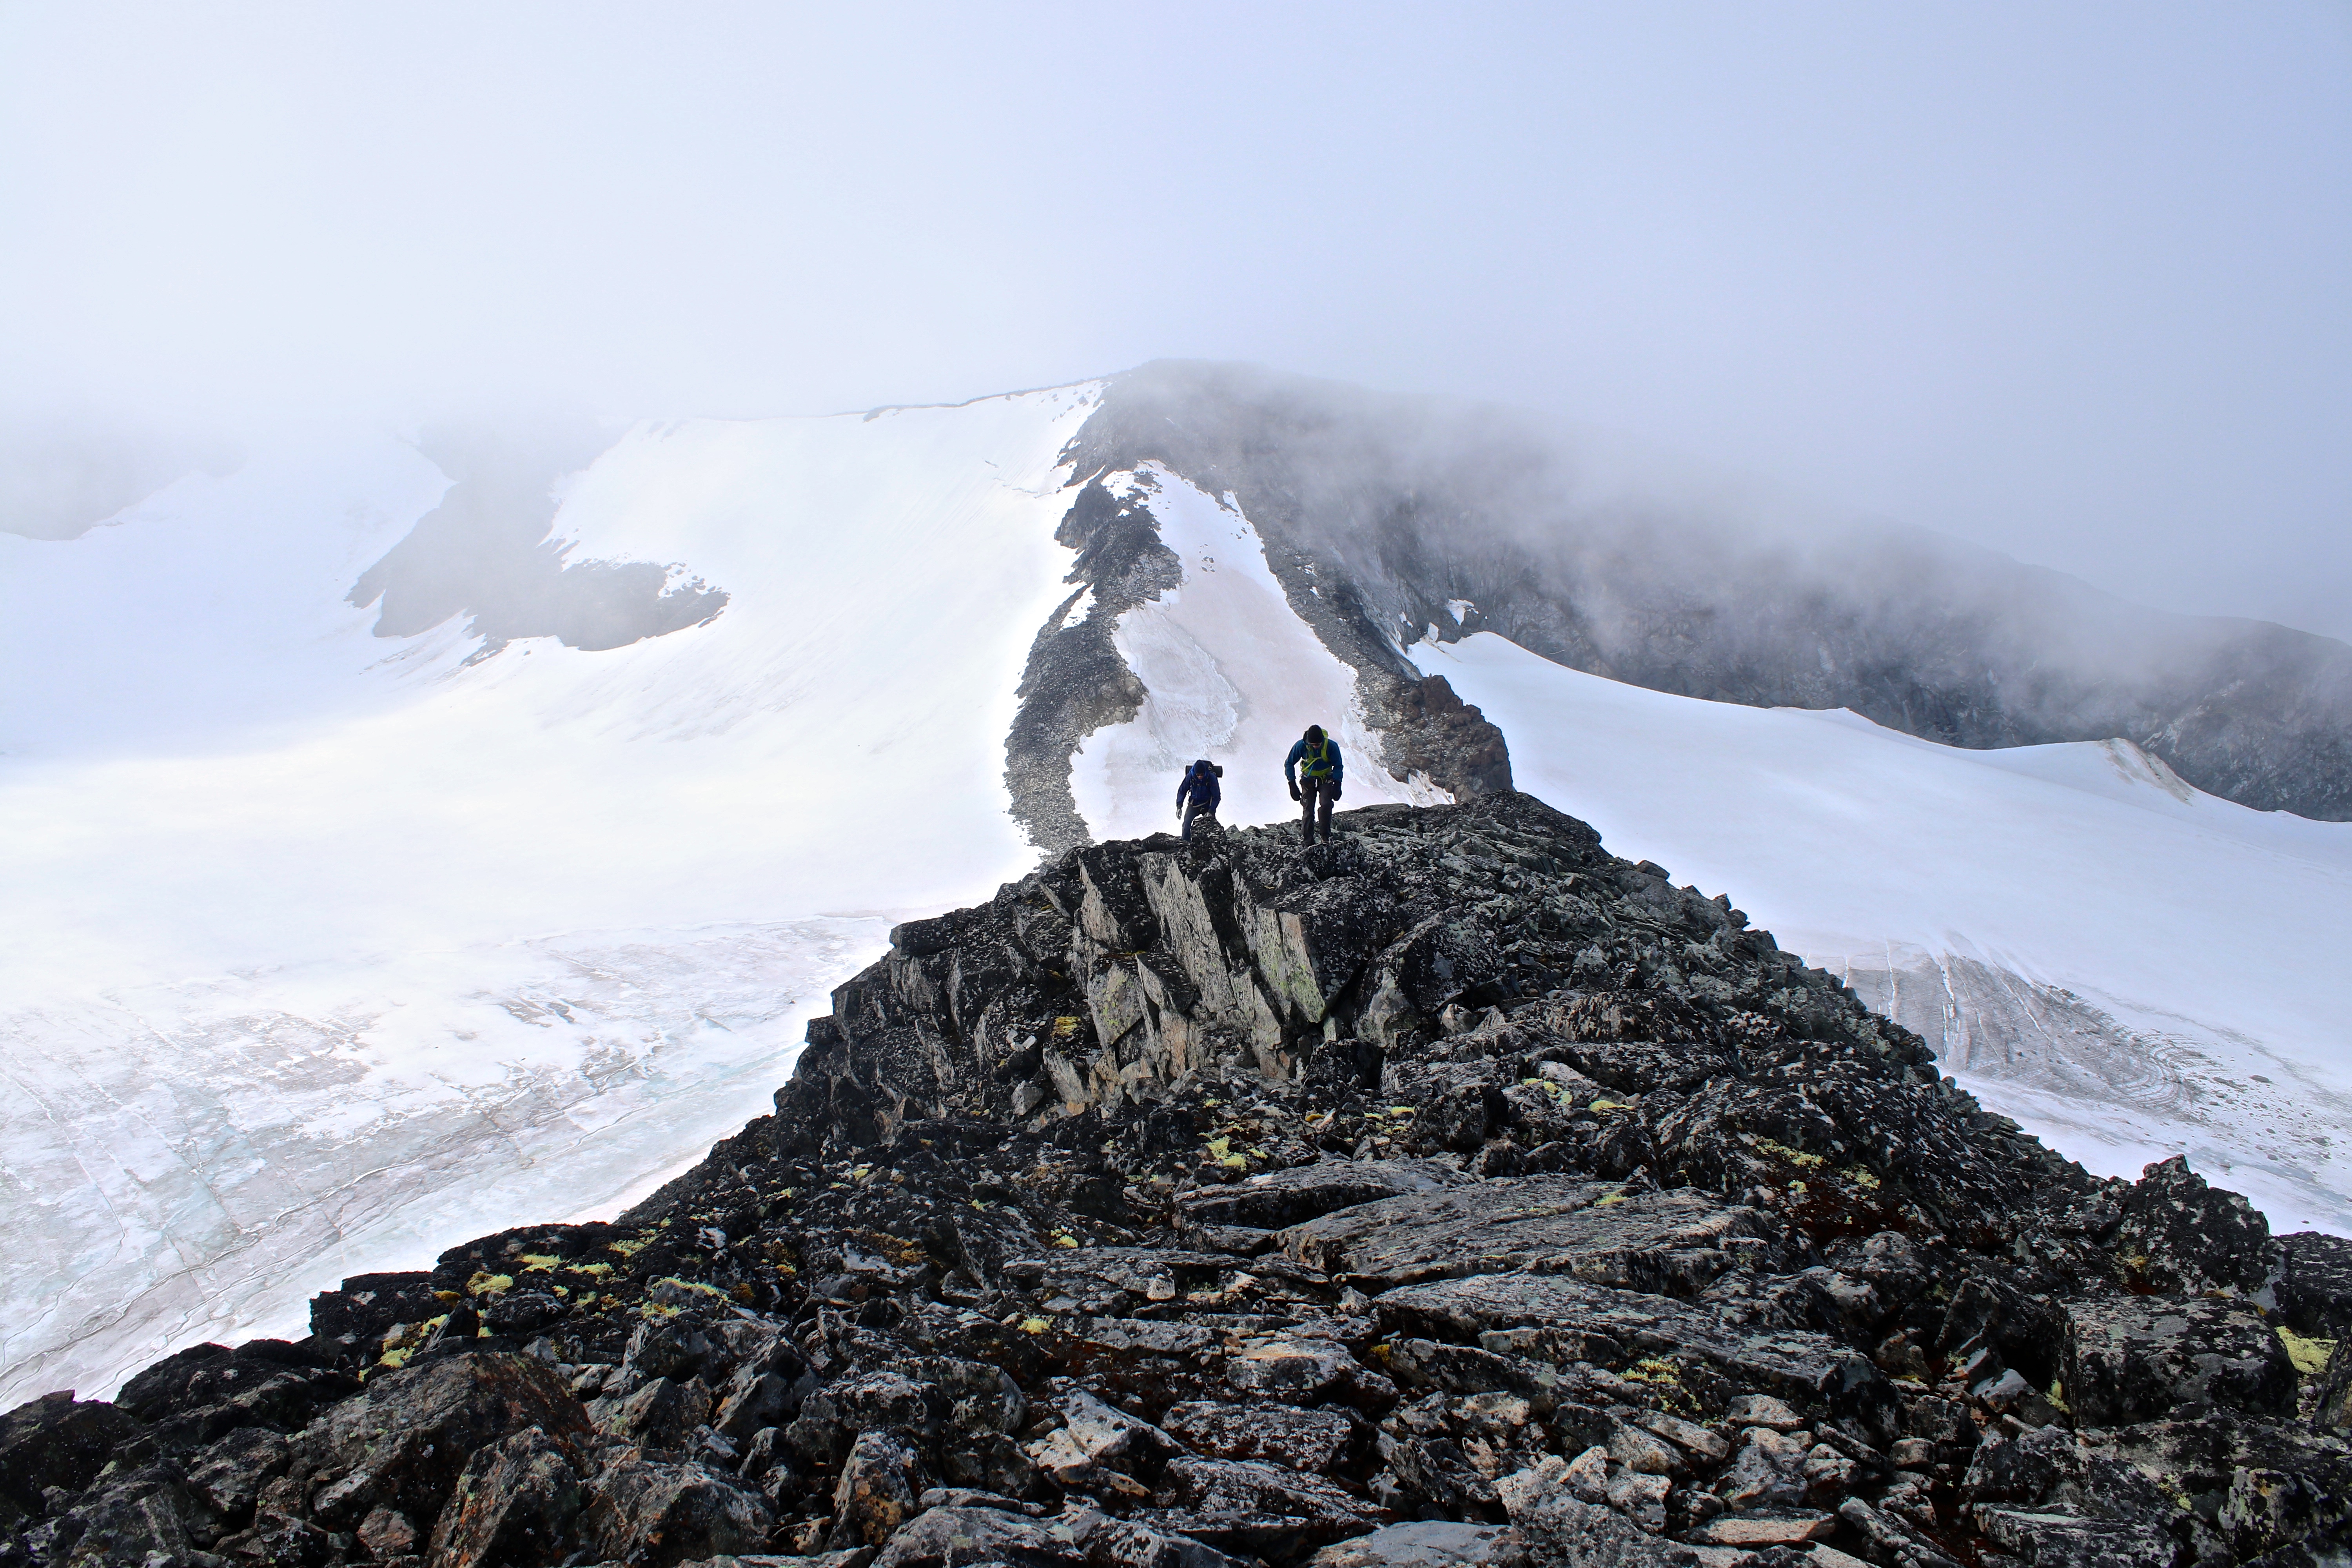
1200, 786
1317, 758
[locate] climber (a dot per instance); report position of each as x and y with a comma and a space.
1200, 786
1317, 758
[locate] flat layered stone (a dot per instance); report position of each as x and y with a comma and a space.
943, 1537
2075, 1542
1425, 1543
1755, 1531
1146, 1274
1559, 1318
1641, 1066
1669, 1243
1302, 1193
1309, 1440
1200, 1488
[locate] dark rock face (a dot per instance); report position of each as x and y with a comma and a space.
1397, 510
1075, 682
1452, 1194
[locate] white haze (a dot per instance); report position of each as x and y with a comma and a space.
2066, 282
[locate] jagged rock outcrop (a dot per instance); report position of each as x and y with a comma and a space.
1453, 1194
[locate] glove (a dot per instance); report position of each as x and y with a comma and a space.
1335, 789
1294, 792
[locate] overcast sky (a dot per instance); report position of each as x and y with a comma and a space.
2072, 281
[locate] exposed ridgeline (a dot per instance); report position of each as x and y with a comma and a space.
1394, 506
1455, 1193
1076, 680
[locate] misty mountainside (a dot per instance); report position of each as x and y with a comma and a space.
1396, 509
414, 840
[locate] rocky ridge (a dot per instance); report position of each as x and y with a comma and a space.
1454, 1194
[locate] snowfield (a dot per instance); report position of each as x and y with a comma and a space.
1233, 676
320, 951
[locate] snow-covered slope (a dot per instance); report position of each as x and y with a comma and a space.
319, 950
1233, 676
2129, 967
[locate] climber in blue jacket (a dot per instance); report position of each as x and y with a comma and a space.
1316, 759
1201, 789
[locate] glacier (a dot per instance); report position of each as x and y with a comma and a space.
319, 949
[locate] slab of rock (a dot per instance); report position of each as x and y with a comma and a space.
1237, 1503
1667, 1243
1302, 1369
1755, 1531
1282, 1198
230, 1477
1138, 1338
2204, 1457
1558, 1318
1309, 1441
1762, 1410
2141, 1358
1096, 1433
1641, 1066
661, 1415
1569, 1532
881, 1481
2070, 1541
1769, 1470
1464, 1368
2315, 1284
1890, 1538
1425, 1543
1708, 1447
1082, 1538
1138, 1274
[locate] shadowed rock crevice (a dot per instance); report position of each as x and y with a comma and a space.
1452, 1194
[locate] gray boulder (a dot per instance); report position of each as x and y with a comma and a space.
2140, 1358
2179, 1236
655, 1515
